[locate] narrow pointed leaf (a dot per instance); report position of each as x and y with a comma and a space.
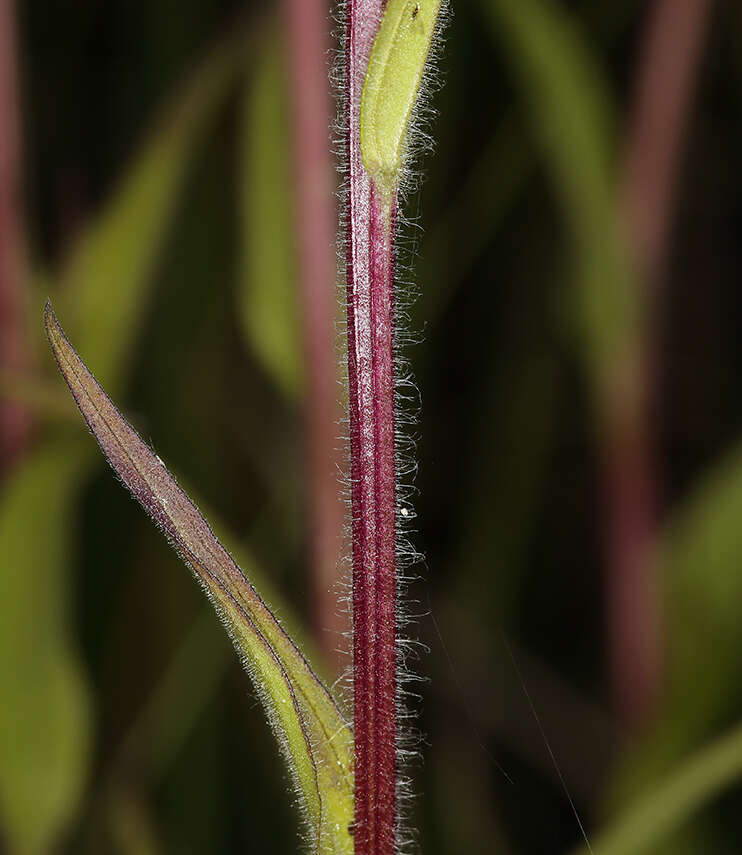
312, 733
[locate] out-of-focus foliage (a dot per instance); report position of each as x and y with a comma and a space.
47, 725
571, 111
700, 555
45, 721
660, 810
124, 719
106, 279
267, 296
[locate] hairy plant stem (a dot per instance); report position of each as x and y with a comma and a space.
370, 294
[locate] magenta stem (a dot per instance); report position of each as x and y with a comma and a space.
15, 420
669, 63
315, 217
667, 72
632, 589
370, 293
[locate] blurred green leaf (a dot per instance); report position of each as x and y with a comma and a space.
43, 757
268, 291
313, 736
570, 109
700, 553
35, 393
702, 546
44, 714
667, 805
103, 287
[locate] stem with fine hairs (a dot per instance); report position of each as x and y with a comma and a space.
371, 219
15, 420
314, 215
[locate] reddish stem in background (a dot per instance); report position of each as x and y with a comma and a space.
15, 421
370, 288
666, 78
315, 217
666, 82
633, 594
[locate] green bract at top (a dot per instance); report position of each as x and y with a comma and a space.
392, 83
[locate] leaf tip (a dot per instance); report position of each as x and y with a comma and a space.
49, 316
51, 325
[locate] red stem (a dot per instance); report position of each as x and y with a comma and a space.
315, 218
15, 422
667, 72
634, 613
370, 293
666, 81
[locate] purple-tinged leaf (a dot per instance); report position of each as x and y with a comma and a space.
312, 733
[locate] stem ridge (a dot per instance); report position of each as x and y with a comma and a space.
370, 320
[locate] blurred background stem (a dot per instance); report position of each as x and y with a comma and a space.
666, 76
666, 80
15, 419
307, 27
